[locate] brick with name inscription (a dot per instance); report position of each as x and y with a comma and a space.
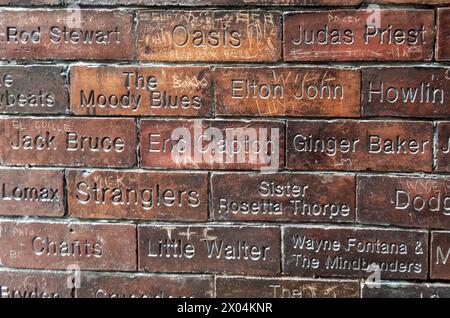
140, 91
440, 255
207, 36
360, 145
219, 2
112, 285
32, 90
351, 35
422, 202
209, 249
33, 284
405, 290
31, 192
57, 245
120, 194
218, 144
52, 34
443, 147
68, 141
355, 252
276, 91
294, 197
406, 91
257, 287
443, 36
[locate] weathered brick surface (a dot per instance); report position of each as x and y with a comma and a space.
443, 36
220, 2
405, 290
443, 147
439, 254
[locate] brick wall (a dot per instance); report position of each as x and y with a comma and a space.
224, 148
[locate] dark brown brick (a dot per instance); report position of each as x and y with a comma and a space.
360, 145
111, 285
181, 144
56, 34
355, 252
140, 91
34, 284
51, 245
443, 36
68, 141
283, 197
405, 290
208, 36
440, 255
209, 249
32, 90
443, 147
275, 91
257, 287
422, 202
220, 2
353, 35
104, 194
406, 91
31, 192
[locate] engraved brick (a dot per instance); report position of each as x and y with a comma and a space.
443, 147
440, 255
140, 91
257, 287
138, 195
406, 91
443, 36
68, 141
295, 197
33, 284
220, 2
209, 36
219, 144
349, 35
111, 285
422, 202
405, 290
209, 249
355, 252
52, 34
276, 91
31, 192
32, 90
51, 245
360, 145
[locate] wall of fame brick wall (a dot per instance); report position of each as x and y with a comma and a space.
224, 148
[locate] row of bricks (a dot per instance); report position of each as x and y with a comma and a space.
304, 251
407, 201
192, 91
228, 36
338, 145
54, 284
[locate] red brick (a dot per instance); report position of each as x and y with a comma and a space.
51, 245
219, 2
52, 34
31, 192
207, 36
112, 285
422, 202
443, 147
295, 197
350, 252
160, 149
32, 90
34, 284
140, 91
360, 145
405, 290
406, 91
346, 39
440, 255
279, 91
68, 141
209, 249
108, 194
443, 36
257, 287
